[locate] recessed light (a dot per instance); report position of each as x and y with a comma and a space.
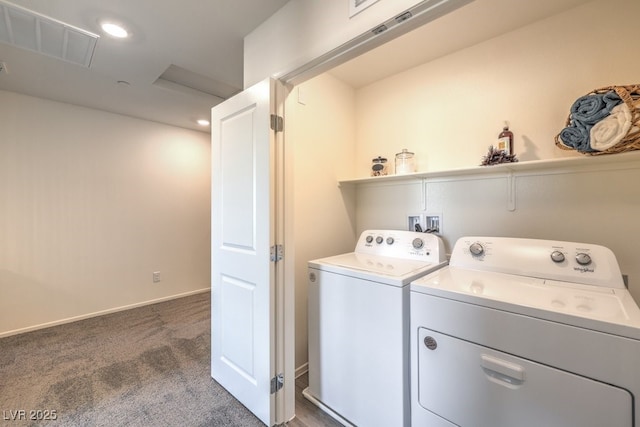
114, 30
203, 122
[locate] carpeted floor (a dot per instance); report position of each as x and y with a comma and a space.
149, 366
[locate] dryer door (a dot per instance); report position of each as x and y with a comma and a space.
471, 385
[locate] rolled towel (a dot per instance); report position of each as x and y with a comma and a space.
577, 137
590, 109
610, 130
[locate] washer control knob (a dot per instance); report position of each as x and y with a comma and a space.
379, 240
583, 259
476, 249
369, 239
418, 243
557, 256
390, 240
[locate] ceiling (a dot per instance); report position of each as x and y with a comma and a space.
200, 44
202, 40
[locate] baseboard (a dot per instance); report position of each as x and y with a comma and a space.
311, 398
301, 370
100, 313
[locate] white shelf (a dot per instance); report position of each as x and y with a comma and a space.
609, 161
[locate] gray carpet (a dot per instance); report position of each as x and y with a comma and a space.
149, 366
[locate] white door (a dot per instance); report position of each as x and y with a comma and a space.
247, 284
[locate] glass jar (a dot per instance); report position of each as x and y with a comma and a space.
379, 166
405, 162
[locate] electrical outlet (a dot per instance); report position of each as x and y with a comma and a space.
433, 223
156, 276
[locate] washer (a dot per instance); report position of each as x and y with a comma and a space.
358, 326
523, 332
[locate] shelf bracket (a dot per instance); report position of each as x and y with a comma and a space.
424, 194
511, 192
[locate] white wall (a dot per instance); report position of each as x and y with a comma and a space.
91, 203
449, 110
304, 30
596, 205
319, 143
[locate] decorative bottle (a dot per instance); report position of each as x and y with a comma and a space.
505, 141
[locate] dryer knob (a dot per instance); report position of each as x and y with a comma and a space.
379, 240
557, 256
418, 243
583, 259
390, 240
476, 249
369, 239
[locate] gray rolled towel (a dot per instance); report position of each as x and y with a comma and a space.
577, 137
590, 109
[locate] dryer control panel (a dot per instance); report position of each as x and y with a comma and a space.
574, 262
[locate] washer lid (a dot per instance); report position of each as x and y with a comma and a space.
395, 271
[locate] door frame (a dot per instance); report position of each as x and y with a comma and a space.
284, 287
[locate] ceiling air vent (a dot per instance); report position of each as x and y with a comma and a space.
26, 29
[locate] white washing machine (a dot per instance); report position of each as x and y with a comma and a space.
358, 326
522, 332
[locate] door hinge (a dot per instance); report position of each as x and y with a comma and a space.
276, 383
277, 123
277, 253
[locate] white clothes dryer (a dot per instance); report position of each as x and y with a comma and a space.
527, 333
358, 326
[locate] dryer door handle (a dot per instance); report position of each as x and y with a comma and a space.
502, 371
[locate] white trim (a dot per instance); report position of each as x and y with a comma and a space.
422, 13
99, 313
325, 408
301, 370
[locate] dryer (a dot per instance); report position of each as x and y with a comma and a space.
358, 326
527, 333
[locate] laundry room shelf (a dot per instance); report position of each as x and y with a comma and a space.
537, 167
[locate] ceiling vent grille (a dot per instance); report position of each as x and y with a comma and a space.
39, 33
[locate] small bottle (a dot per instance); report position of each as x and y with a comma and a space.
505, 141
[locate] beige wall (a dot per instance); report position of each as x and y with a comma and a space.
91, 203
319, 144
449, 110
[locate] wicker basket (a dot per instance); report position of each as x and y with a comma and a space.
630, 95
